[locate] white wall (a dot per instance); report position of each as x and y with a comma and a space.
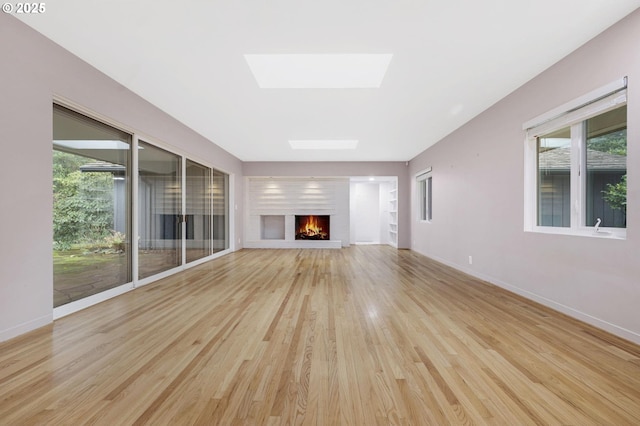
346, 169
365, 214
478, 196
370, 212
33, 70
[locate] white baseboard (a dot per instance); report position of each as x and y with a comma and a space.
25, 327
567, 310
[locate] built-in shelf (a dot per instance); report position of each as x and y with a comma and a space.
393, 214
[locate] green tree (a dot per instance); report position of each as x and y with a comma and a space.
614, 143
616, 195
82, 203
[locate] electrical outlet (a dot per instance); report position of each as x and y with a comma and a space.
470, 260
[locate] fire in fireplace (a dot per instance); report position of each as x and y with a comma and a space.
312, 227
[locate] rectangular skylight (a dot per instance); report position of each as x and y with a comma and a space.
324, 144
322, 71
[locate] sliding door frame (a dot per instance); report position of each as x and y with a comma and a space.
136, 136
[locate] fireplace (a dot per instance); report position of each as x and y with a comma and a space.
311, 227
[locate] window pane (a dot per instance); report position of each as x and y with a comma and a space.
422, 199
554, 183
160, 206
429, 185
91, 207
198, 212
606, 191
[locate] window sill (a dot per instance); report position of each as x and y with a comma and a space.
607, 233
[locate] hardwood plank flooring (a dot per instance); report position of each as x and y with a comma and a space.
367, 335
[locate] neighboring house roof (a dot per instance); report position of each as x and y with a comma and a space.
560, 159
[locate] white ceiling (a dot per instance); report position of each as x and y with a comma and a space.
452, 59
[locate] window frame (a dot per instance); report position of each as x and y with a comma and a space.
424, 195
574, 115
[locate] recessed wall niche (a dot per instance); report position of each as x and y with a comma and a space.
272, 227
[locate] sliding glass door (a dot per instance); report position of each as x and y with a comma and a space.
159, 210
198, 211
220, 198
182, 208
91, 207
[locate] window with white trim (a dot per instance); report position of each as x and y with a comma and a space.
424, 189
576, 166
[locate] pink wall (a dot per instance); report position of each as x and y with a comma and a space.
32, 70
478, 196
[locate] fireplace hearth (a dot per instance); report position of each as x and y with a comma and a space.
312, 227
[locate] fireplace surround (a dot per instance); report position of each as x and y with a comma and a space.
274, 202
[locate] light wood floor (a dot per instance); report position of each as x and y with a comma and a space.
360, 336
